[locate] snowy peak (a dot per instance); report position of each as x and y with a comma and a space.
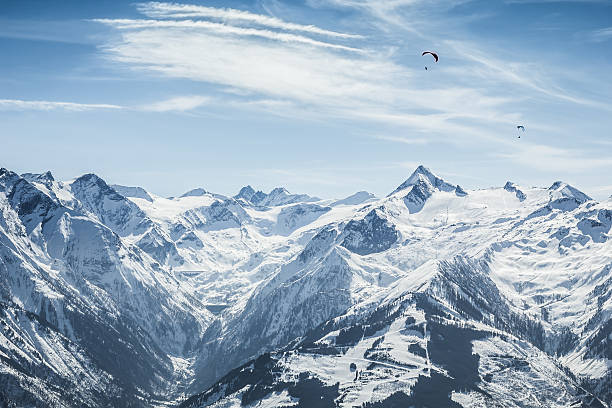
424, 177
31, 204
89, 184
36, 177
246, 193
421, 185
357, 198
7, 179
560, 189
372, 234
279, 191
510, 186
513, 188
278, 196
96, 198
196, 192
133, 192
460, 192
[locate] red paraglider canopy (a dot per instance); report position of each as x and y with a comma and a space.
432, 53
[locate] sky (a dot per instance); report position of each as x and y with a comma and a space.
325, 97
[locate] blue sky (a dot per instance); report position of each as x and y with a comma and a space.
325, 97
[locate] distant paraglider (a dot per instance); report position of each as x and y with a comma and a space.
520, 128
433, 54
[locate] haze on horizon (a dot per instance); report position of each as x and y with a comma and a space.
324, 97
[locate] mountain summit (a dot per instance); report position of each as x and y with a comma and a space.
422, 175
561, 189
278, 196
421, 185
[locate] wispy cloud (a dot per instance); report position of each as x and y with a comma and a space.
556, 159
173, 10
472, 58
127, 24
404, 140
554, 1
294, 75
17, 104
406, 15
603, 34
525, 75
291, 74
177, 104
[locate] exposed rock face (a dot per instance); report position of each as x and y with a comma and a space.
512, 188
372, 234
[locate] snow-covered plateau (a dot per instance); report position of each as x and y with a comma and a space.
433, 296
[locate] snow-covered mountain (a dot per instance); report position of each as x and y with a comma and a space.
431, 296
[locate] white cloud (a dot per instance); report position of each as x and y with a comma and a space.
556, 159
177, 104
405, 140
297, 75
17, 104
405, 15
553, 1
271, 68
414, 15
525, 75
603, 34
127, 24
173, 10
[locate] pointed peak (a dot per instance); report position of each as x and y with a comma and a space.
88, 177
556, 185
89, 180
92, 182
278, 196
421, 173
278, 190
246, 193
560, 189
423, 176
250, 195
509, 186
513, 188
7, 177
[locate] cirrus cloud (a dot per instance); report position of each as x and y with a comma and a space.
17, 104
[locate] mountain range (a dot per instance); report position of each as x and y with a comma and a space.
433, 296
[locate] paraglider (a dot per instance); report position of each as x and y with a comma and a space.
520, 128
433, 54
